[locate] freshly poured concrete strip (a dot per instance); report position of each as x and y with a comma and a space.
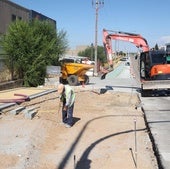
24, 91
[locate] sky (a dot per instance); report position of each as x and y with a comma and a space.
149, 18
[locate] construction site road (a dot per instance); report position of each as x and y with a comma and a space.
157, 111
109, 129
157, 114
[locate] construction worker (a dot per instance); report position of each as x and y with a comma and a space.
67, 96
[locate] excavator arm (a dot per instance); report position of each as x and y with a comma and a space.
136, 39
154, 65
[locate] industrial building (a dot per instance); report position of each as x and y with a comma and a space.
10, 11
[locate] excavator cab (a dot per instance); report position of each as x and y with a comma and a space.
168, 58
154, 65
168, 53
145, 65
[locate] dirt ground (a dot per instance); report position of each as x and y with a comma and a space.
103, 135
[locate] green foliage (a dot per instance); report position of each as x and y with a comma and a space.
31, 46
90, 52
156, 47
101, 54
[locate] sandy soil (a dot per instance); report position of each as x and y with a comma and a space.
102, 137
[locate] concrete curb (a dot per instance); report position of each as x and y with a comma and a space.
154, 145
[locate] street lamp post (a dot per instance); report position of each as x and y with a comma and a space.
96, 4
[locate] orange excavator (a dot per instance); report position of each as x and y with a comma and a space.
136, 39
154, 64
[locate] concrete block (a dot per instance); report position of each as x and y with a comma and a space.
30, 115
17, 110
29, 109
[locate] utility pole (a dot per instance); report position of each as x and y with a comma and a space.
91, 51
96, 4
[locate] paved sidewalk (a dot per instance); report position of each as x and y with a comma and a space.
158, 120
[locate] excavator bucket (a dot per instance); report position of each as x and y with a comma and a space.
104, 73
103, 76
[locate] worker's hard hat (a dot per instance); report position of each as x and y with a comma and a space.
60, 88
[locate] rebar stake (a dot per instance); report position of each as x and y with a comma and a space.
135, 142
74, 161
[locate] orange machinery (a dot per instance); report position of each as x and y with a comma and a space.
154, 64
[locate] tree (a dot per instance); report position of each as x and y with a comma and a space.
31, 46
89, 52
156, 47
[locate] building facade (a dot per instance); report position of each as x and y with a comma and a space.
10, 11
36, 15
74, 52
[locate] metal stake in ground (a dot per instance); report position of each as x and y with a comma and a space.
74, 161
135, 141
